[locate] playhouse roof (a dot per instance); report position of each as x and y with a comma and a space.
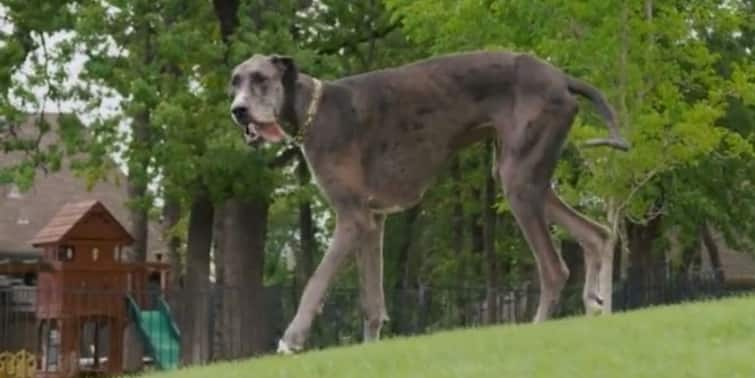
70, 216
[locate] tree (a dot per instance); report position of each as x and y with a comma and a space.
648, 60
30, 84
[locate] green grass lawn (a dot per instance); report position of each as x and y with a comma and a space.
712, 340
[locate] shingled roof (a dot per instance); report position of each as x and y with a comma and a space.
23, 215
71, 215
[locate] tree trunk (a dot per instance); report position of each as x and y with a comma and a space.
306, 253
713, 251
171, 217
457, 240
457, 223
403, 261
489, 218
477, 236
227, 14
614, 211
195, 298
305, 257
218, 322
245, 329
646, 269
403, 310
137, 186
218, 238
245, 227
606, 275
138, 204
138, 165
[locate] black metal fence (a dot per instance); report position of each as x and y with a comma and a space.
178, 328
663, 286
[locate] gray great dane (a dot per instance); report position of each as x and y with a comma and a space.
375, 141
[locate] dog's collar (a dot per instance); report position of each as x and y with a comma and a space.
314, 104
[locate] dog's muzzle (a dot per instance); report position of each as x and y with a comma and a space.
241, 117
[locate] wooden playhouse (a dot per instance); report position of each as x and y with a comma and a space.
86, 295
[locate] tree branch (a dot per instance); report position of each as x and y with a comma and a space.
653, 212
378, 34
227, 14
636, 188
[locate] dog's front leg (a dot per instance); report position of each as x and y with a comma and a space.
370, 267
350, 229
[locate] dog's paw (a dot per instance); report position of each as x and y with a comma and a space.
285, 349
594, 305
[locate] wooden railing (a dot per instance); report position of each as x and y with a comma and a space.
21, 364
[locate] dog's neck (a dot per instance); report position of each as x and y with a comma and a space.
307, 98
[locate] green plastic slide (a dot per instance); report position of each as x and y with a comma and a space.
159, 333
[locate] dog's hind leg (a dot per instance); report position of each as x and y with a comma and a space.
591, 236
352, 227
532, 136
526, 198
370, 267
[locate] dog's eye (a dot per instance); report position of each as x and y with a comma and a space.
235, 81
258, 78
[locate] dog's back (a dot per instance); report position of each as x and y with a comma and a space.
409, 118
451, 71
461, 88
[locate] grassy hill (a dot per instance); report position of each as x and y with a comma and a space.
714, 339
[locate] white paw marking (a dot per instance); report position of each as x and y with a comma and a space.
595, 305
284, 349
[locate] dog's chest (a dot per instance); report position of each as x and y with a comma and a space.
388, 184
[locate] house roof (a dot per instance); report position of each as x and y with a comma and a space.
69, 216
737, 266
13, 247
23, 215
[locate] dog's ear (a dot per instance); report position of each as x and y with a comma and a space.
289, 72
285, 64
289, 75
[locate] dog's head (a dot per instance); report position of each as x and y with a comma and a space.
263, 97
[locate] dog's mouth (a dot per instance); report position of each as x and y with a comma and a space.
267, 131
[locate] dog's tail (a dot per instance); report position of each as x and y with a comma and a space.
580, 87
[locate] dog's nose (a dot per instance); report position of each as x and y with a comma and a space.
240, 112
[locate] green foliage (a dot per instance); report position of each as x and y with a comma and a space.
28, 62
682, 78
670, 85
